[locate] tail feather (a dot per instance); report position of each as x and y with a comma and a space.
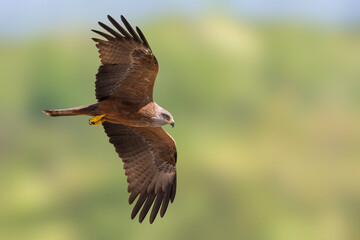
82, 110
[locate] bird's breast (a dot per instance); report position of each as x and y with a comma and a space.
126, 113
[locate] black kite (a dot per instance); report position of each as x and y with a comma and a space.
130, 117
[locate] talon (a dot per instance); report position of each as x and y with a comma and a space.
96, 120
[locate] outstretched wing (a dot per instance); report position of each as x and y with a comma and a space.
149, 156
129, 67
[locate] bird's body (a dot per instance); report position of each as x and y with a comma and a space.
129, 114
131, 119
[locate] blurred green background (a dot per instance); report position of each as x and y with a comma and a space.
267, 111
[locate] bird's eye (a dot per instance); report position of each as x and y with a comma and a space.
166, 117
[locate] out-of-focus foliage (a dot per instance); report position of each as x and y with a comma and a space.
267, 129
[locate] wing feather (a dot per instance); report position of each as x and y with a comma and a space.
107, 36
147, 206
138, 205
149, 156
142, 37
156, 207
119, 27
165, 202
129, 68
110, 30
130, 29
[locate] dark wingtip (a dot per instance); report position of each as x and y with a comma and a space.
111, 19
132, 197
156, 207
142, 36
127, 24
130, 29
162, 214
123, 19
107, 36
141, 219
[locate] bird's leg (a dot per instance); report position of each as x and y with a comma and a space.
96, 120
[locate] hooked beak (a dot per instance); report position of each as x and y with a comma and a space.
172, 123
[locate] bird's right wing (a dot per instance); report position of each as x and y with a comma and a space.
149, 156
129, 67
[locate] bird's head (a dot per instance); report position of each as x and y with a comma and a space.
164, 117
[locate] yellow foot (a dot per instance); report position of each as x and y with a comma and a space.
96, 120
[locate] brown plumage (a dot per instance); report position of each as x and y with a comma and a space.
130, 117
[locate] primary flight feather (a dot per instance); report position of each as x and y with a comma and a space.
131, 119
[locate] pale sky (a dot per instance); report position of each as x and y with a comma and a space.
22, 17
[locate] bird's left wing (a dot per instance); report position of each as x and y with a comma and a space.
129, 67
149, 156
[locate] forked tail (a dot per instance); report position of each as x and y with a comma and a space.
82, 110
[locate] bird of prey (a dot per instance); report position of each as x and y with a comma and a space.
130, 117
